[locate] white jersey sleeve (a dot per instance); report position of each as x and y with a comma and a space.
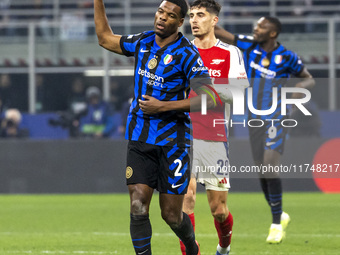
237, 77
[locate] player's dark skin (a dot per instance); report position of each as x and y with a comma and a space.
266, 35
167, 21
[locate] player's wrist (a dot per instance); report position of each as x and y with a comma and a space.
167, 106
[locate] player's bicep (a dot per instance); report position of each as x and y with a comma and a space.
111, 42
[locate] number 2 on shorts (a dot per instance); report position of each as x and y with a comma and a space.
177, 173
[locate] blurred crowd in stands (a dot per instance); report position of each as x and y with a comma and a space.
10, 125
78, 11
79, 106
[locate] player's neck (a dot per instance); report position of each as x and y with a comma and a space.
269, 46
206, 41
161, 42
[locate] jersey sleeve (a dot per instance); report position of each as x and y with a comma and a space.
243, 42
128, 43
196, 72
295, 65
237, 77
237, 72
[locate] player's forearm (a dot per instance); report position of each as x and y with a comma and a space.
100, 20
150, 105
179, 105
105, 36
307, 80
224, 35
307, 83
193, 104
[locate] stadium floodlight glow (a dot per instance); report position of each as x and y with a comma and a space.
115, 72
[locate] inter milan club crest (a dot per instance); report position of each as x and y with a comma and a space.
152, 63
265, 62
168, 58
129, 172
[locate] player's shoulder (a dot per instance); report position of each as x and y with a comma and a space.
185, 42
286, 53
223, 45
143, 36
186, 45
147, 34
226, 46
234, 50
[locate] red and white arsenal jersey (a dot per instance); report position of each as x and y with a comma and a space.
225, 63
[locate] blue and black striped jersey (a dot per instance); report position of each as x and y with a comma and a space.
167, 74
267, 70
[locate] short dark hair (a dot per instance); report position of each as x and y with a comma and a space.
211, 5
182, 4
276, 22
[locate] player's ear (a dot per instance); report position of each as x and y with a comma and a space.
273, 34
215, 21
181, 22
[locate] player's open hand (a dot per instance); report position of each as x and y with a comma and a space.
150, 105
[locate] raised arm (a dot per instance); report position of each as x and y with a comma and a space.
224, 35
106, 38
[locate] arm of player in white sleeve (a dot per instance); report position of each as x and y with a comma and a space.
237, 78
224, 92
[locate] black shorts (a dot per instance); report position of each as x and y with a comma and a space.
268, 137
164, 168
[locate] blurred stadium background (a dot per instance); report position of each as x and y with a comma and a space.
48, 46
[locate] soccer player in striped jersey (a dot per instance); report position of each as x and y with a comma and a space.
269, 64
167, 66
210, 144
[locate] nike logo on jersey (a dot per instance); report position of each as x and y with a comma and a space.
176, 186
217, 61
143, 50
270, 143
257, 52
